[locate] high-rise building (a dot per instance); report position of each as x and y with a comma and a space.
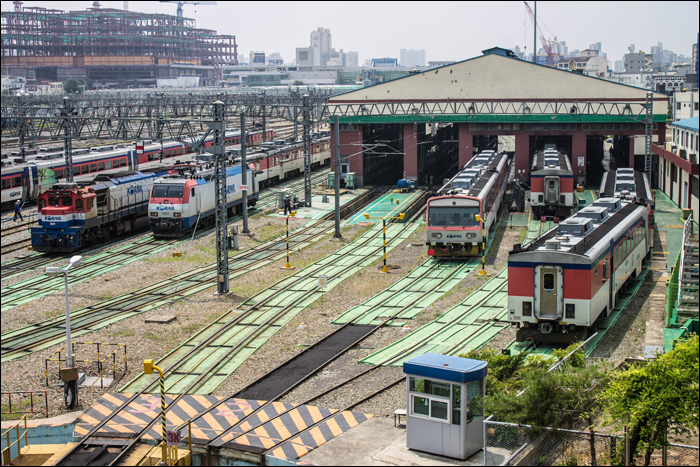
411, 57
257, 58
657, 51
322, 45
619, 66
353, 60
275, 59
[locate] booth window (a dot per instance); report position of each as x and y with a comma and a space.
435, 401
475, 401
456, 404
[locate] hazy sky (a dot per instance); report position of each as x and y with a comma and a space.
446, 30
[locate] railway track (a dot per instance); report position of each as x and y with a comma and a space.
17, 228
29, 339
14, 246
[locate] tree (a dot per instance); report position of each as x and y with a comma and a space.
73, 85
655, 399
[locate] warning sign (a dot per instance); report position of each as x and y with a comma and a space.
243, 187
322, 281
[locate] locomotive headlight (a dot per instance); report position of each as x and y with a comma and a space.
471, 235
437, 235
177, 214
154, 214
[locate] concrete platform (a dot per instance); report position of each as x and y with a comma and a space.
377, 442
318, 208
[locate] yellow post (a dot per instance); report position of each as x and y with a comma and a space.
483, 247
400, 216
291, 214
148, 367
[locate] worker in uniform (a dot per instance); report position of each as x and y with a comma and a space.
18, 211
287, 205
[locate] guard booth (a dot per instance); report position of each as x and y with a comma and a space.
445, 405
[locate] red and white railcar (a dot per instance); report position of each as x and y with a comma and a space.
562, 283
453, 227
551, 184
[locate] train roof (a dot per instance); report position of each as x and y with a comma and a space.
475, 175
615, 181
125, 176
551, 159
579, 234
201, 174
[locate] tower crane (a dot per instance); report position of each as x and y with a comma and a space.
179, 5
552, 57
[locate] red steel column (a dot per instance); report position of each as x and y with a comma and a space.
578, 149
466, 144
522, 155
350, 145
410, 150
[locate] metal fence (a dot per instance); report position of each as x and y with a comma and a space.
511, 444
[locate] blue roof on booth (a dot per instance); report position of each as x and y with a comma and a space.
688, 123
446, 367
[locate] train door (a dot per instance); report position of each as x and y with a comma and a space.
551, 191
549, 292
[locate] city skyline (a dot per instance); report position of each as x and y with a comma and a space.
445, 30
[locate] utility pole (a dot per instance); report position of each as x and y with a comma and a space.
296, 123
244, 176
67, 138
307, 153
218, 149
22, 131
264, 117
336, 152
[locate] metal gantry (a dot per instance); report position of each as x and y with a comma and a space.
307, 152
66, 113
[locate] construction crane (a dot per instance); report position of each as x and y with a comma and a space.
552, 57
179, 5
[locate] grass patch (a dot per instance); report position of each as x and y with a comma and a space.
152, 336
175, 259
105, 296
522, 235
192, 328
54, 314
21, 404
124, 333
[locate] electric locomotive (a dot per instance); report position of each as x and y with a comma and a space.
179, 202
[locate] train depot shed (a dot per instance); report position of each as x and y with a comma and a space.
427, 125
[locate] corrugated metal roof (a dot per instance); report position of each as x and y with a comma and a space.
688, 123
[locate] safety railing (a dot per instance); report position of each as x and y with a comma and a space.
99, 361
7, 457
9, 395
687, 232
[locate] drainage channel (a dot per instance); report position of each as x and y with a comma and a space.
117, 257
262, 315
29, 339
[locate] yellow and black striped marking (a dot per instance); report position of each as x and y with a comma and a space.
279, 424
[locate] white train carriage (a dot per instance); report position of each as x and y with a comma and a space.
551, 183
563, 283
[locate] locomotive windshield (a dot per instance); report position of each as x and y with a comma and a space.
167, 191
453, 216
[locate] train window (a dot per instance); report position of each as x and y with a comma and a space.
100, 166
89, 204
41, 204
527, 308
548, 281
16, 181
108, 165
79, 204
605, 270
58, 173
6, 183
122, 162
192, 192
53, 201
66, 201
84, 169
93, 167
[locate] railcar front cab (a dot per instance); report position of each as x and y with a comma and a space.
63, 212
165, 208
453, 229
